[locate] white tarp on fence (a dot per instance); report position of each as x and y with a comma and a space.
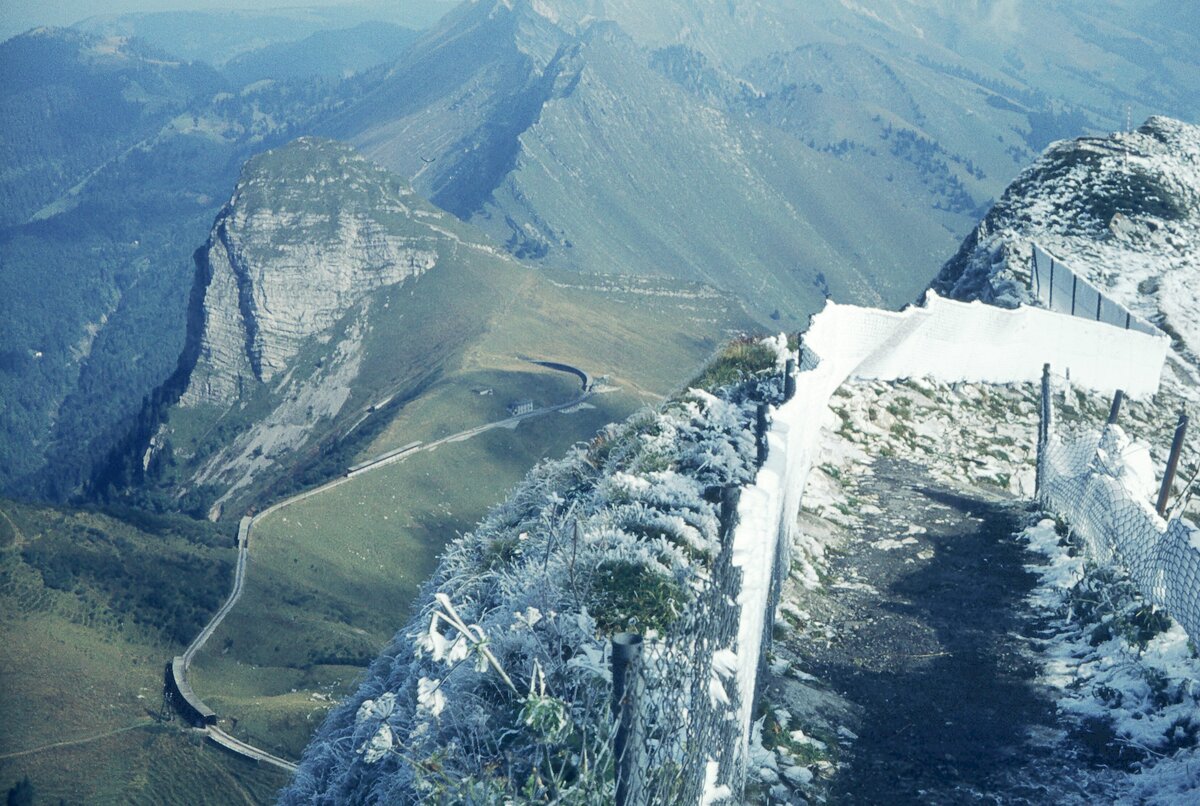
943, 339
1059, 288
978, 343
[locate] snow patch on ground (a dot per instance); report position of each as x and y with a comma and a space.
888, 544
1103, 665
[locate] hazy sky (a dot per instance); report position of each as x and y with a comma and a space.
20, 15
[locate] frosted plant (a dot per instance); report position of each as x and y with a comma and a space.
499, 691
471, 639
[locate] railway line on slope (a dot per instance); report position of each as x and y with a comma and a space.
176, 685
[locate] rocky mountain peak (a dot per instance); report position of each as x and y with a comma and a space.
296, 247
1122, 210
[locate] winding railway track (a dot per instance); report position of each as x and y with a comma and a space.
176, 681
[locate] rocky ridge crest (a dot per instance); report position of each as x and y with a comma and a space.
297, 246
1123, 210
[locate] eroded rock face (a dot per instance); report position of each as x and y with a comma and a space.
297, 246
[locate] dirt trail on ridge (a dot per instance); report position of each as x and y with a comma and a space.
931, 644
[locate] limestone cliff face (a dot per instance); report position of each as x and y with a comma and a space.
303, 316
299, 244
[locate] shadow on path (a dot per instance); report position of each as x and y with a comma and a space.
931, 649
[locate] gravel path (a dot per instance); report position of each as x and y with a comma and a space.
931, 644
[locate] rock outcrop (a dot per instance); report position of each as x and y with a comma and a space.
281, 321
1122, 210
298, 245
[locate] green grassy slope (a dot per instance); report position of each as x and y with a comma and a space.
475, 313
82, 654
331, 577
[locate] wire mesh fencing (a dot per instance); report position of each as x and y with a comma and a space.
675, 724
1096, 480
676, 714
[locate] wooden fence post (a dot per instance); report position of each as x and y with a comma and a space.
626, 655
730, 496
1115, 411
760, 433
1043, 428
1172, 463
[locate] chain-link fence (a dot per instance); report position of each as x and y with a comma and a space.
678, 700
1101, 482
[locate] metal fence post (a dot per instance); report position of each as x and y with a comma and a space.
789, 379
1115, 411
1037, 276
730, 496
1172, 463
626, 654
760, 433
1043, 429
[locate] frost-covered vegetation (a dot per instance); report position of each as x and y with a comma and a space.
498, 690
1115, 659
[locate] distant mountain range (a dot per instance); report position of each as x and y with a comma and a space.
780, 153
337, 53
832, 141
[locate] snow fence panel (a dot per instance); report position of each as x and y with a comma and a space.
1060, 288
973, 342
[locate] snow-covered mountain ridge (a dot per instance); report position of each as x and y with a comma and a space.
1122, 210
584, 501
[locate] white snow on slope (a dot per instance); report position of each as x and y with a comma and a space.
1149, 692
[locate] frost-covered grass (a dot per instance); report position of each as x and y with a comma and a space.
1111, 656
739, 359
984, 435
498, 688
